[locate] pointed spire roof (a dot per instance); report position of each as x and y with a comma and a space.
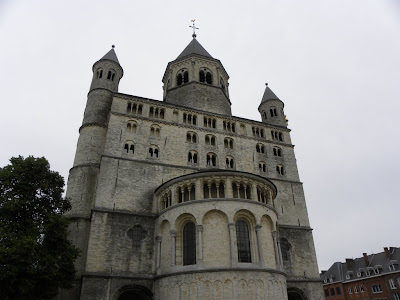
268, 94
111, 55
194, 47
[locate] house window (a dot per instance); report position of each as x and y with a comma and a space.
155, 131
396, 296
210, 122
377, 288
392, 267
131, 127
156, 112
257, 132
129, 147
243, 241
355, 290
154, 152
262, 167
228, 143
133, 108
350, 291
192, 157
191, 137
392, 284
189, 244
229, 126
189, 119
210, 140
260, 148
326, 292
280, 170
338, 291
332, 292
211, 160
277, 151
229, 162
362, 289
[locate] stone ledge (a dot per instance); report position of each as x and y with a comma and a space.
123, 212
295, 227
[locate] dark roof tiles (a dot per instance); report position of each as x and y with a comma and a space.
194, 47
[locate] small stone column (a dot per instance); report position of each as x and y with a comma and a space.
158, 239
254, 195
173, 193
173, 237
198, 192
280, 254
229, 192
259, 247
233, 254
200, 241
277, 262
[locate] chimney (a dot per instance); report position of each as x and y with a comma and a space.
392, 249
387, 252
366, 259
349, 263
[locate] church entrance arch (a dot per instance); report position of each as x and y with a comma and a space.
296, 294
136, 292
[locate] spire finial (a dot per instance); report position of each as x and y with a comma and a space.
266, 83
194, 29
113, 46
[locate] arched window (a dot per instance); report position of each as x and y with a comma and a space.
273, 112
155, 131
110, 75
211, 160
192, 157
131, 127
136, 234
191, 137
280, 170
189, 244
262, 167
277, 151
222, 84
229, 162
179, 79
210, 139
153, 152
228, 143
243, 241
182, 77
99, 73
264, 114
129, 147
205, 76
260, 148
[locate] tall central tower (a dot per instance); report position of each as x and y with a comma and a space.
178, 199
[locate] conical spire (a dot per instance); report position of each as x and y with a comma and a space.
111, 55
268, 94
194, 47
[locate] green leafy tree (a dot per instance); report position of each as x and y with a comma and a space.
36, 257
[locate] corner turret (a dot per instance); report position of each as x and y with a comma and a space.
271, 109
107, 72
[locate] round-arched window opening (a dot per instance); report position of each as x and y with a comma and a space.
137, 293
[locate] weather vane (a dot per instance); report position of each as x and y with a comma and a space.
194, 28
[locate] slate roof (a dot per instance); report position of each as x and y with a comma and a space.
268, 95
111, 55
358, 268
194, 47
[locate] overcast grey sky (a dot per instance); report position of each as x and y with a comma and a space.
335, 64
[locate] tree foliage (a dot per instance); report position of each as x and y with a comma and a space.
36, 257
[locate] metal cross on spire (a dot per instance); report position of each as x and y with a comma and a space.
194, 29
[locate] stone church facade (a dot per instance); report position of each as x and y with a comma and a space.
178, 199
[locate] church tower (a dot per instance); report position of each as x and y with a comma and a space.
178, 199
